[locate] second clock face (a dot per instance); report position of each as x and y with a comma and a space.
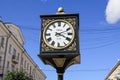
58, 34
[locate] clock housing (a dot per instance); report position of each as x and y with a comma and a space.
59, 34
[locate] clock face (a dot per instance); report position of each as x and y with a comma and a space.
58, 34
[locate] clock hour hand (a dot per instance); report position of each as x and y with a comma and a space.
59, 34
62, 35
67, 38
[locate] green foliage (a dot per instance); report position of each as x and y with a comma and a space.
17, 75
118, 78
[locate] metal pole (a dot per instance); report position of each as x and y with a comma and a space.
60, 76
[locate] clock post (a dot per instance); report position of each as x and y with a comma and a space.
59, 44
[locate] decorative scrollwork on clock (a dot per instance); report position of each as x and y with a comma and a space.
51, 45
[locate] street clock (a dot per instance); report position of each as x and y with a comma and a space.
60, 34
59, 41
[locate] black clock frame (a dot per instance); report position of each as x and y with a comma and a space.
66, 50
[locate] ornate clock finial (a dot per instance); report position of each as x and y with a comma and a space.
60, 10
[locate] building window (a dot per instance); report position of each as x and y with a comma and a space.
2, 42
18, 56
21, 63
0, 62
33, 73
8, 65
30, 69
25, 64
14, 52
10, 47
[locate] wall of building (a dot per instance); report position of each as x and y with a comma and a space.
114, 73
13, 56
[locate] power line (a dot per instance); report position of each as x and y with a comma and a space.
78, 70
82, 70
97, 37
102, 45
90, 29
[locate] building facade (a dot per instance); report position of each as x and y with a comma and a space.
13, 56
114, 74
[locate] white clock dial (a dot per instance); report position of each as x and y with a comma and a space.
58, 34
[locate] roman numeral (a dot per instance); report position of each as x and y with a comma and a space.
67, 29
50, 29
59, 23
64, 25
64, 43
68, 39
53, 43
49, 39
58, 44
54, 25
47, 34
70, 33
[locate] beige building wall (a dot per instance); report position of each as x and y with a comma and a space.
114, 73
13, 56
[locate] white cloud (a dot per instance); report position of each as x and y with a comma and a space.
113, 11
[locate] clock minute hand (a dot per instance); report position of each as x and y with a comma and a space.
63, 32
59, 34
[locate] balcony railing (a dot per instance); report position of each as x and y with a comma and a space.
14, 59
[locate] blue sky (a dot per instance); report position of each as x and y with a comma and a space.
99, 33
